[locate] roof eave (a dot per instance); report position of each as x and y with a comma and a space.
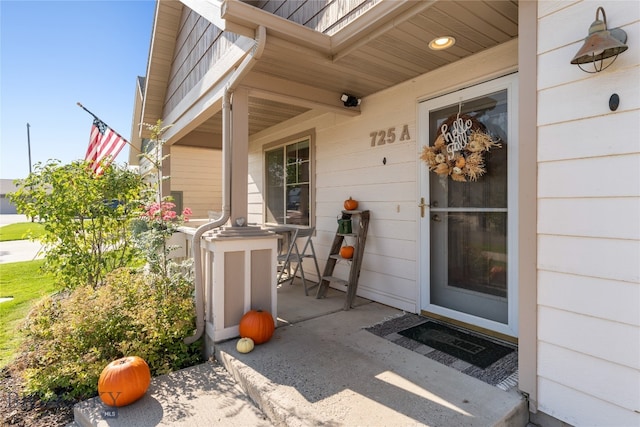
163, 36
242, 18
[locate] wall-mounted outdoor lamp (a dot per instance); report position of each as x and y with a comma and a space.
600, 44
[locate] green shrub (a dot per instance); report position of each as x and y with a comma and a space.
70, 339
86, 218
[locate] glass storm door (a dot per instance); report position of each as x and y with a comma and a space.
467, 227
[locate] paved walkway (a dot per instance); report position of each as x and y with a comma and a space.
12, 218
323, 369
18, 250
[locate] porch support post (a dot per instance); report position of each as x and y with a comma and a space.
165, 184
239, 153
527, 201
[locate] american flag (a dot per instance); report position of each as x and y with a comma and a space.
104, 144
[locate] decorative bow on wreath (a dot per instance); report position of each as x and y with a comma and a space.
459, 149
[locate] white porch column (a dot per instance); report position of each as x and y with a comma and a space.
165, 185
239, 153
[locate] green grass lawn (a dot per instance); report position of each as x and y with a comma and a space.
20, 231
25, 282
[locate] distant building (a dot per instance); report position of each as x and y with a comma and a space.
7, 186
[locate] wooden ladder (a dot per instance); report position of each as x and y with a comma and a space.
360, 236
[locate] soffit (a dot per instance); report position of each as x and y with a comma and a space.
395, 49
263, 113
363, 59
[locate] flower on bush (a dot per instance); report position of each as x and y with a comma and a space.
163, 214
156, 224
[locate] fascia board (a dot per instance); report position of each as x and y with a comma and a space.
211, 10
243, 15
154, 86
382, 17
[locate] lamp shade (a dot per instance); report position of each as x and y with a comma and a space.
599, 46
601, 43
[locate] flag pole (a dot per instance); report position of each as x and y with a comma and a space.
29, 146
97, 118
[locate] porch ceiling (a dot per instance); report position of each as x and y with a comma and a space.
263, 114
381, 48
397, 49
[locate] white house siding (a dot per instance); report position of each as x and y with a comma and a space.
197, 172
347, 165
588, 221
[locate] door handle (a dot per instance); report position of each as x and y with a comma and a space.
422, 205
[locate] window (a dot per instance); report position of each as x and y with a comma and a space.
288, 183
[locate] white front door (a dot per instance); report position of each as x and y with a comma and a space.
467, 228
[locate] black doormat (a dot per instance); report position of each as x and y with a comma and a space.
470, 348
502, 374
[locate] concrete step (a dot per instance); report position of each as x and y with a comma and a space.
326, 370
202, 395
330, 371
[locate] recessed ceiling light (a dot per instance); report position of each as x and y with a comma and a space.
440, 43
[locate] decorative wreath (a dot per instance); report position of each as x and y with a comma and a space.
459, 148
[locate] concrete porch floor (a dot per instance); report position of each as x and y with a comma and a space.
320, 368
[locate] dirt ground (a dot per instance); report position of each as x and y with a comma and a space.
26, 411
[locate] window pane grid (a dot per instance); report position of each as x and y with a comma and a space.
288, 184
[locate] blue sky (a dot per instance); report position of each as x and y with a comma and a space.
54, 54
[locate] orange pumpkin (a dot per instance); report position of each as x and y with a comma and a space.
346, 252
124, 381
350, 204
257, 325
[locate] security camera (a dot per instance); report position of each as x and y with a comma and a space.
350, 100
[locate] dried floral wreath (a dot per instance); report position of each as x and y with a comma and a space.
459, 149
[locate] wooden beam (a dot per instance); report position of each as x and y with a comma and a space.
204, 100
201, 139
281, 90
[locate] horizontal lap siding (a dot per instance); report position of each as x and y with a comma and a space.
383, 178
197, 172
588, 223
613, 300
584, 372
579, 409
348, 166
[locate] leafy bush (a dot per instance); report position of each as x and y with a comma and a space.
86, 218
71, 339
95, 226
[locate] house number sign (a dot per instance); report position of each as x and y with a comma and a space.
388, 136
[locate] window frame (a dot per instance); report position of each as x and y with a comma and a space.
283, 144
